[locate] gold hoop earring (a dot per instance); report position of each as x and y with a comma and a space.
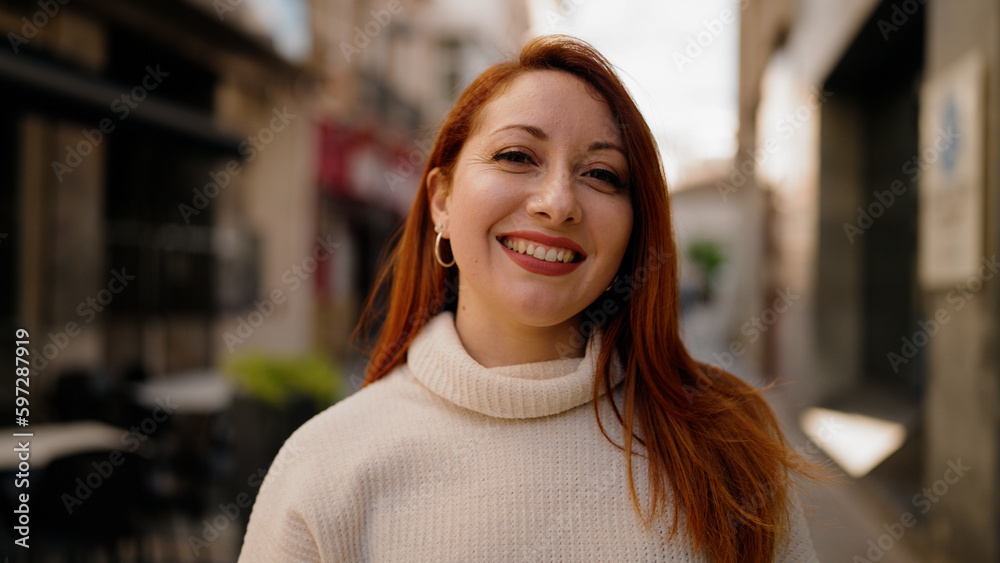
439, 229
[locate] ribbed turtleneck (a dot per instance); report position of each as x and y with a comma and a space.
438, 359
400, 472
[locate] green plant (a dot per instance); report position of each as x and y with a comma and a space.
274, 379
707, 256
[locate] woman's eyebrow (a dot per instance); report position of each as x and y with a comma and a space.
541, 135
530, 129
601, 146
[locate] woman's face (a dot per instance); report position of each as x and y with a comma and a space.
537, 208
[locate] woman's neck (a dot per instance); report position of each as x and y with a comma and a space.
499, 342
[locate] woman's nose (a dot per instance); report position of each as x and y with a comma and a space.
556, 201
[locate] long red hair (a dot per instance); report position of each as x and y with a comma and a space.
707, 436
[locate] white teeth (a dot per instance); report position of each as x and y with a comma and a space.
539, 251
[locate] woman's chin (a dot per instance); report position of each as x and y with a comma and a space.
541, 316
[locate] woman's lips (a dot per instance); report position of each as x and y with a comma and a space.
541, 266
536, 238
539, 251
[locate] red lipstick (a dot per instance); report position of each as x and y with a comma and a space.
542, 267
561, 242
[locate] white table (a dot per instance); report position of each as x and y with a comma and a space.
192, 392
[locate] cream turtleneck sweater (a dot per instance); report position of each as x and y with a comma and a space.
445, 460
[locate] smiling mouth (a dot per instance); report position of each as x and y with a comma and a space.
540, 251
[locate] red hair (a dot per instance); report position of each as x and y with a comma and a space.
708, 436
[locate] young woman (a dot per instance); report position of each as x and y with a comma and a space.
529, 397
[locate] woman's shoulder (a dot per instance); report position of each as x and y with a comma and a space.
320, 476
397, 409
388, 402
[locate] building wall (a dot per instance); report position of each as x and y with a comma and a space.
963, 401
782, 104
274, 199
66, 230
61, 258
838, 277
820, 175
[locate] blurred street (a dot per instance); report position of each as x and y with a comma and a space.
196, 197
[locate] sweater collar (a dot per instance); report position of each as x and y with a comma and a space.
438, 359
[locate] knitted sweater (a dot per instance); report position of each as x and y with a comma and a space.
445, 460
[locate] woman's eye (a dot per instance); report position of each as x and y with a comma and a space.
606, 176
514, 156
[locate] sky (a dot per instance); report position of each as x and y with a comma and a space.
679, 59
286, 23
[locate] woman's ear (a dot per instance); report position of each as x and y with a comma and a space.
439, 192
